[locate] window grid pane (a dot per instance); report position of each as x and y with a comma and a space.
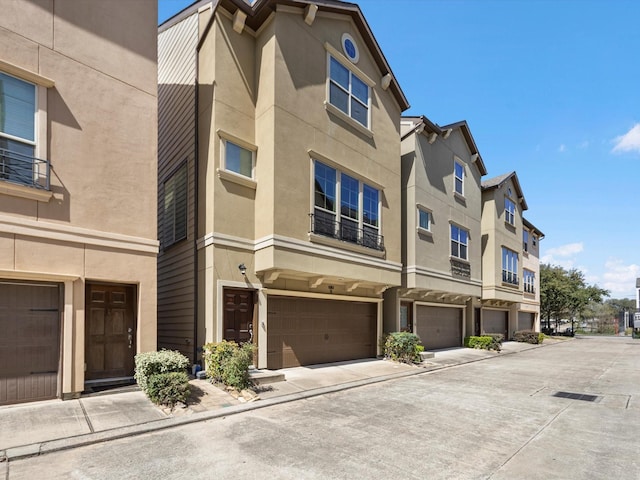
349, 193
370, 200
325, 187
17, 108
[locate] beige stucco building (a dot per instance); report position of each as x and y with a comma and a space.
279, 188
78, 187
507, 307
441, 199
529, 310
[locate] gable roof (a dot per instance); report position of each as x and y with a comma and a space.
422, 124
532, 228
499, 181
258, 12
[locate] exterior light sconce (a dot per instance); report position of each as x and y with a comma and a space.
330, 287
243, 269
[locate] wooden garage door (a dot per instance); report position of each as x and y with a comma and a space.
439, 327
29, 342
304, 331
496, 321
525, 321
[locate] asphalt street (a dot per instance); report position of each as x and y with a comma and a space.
567, 411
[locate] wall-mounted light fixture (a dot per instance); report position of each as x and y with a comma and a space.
330, 288
242, 268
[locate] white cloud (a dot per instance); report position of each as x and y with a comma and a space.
562, 148
619, 278
629, 142
567, 250
584, 145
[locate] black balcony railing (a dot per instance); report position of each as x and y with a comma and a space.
509, 277
323, 223
24, 170
528, 288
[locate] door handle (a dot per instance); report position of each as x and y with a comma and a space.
130, 340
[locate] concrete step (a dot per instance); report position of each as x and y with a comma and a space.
426, 355
264, 377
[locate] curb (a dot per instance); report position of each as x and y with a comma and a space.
51, 446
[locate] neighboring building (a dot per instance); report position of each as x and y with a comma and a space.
502, 224
529, 310
279, 180
78, 241
442, 207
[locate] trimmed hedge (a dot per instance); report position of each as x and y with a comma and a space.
168, 388
491, 341
228, 363
151, 363
403, 347
528, 336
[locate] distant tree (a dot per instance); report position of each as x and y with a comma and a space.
565, 293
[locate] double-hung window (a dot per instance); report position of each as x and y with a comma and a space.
525, 240
348, 93
509, 266
459, 242
509, 211
18, 134
529, 279
175, 207
458, 180
358, 220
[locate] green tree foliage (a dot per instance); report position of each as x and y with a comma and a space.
565, 293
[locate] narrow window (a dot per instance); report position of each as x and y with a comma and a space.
525, 240
370, 215
459, 178
424, 219
324, 214
529, 279
175, 207
509, 211
509, 266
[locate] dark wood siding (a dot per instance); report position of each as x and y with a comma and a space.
176, 145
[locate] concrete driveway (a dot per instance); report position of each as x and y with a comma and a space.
567, 411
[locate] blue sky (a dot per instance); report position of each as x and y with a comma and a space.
550, 89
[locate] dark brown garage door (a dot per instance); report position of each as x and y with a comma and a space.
29, 342
304, 331
439, 327
525, 321
496, 321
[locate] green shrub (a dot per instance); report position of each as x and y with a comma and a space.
527, 336
491, 341
228, 363
168, 388
541, 337
403, 347
151, 363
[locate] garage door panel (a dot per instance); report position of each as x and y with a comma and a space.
525, 320
496, 321
307, 331
439, 327
30, 342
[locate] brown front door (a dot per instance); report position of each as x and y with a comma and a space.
238, 314
110, 331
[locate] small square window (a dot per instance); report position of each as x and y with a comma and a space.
424, 219
238, 159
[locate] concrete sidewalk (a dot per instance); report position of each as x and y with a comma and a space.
41, 427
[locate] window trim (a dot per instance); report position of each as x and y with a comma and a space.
508, 269
173, 176
337, 213
419, 228
509, 216
230, 175
451, 239
457, 161
41, 85
353, 70
526, 275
